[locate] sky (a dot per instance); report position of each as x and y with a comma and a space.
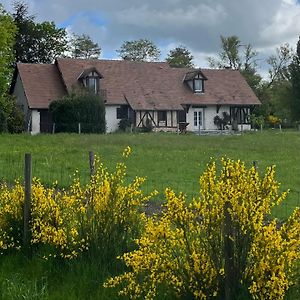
196, 24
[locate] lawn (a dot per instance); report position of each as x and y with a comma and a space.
165, 159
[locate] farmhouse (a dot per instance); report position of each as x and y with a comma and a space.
144, 92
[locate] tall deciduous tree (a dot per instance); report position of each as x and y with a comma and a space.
7, 38
294, 70
238, 56
36, 42
139, 50
180, 57
279, 63
82, 46
229, 55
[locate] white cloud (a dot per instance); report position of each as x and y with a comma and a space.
193, 23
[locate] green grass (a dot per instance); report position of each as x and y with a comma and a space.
166, 159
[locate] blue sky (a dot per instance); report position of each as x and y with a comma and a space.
197, 24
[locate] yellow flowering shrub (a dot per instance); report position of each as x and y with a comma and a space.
11, 205
112, 208
273, 120
223, 244
102, 216
55, 221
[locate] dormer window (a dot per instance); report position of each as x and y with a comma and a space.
90, 78
92, 83
195, 80
198, 85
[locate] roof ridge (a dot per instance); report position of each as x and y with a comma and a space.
112, 60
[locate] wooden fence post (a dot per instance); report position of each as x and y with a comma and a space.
53, 128
27, 200
79, 128
92, 163
255, 164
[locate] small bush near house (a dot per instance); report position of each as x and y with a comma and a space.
222, 122
273, 120
82, 107
11, 117
124, 124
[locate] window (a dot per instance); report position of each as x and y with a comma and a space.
92, 83
122, 112
182, 116
162, 116
198, 85
197, 118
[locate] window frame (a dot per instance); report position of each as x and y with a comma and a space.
122, 112
200, 80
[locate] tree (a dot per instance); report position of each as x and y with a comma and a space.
240, 57
83, 107
36, 42
82, 46
7, 39
229, 55
294, 71
279, 63
139, 50
180, 57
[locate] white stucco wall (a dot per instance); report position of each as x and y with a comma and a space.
209, 113
35, 122
112, 123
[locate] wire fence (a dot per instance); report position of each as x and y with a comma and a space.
50, 171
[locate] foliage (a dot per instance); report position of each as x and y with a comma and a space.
56, 156
180, 57
102, 216
15, 120
257, 122
124, 124
139, 50
7, 39
83, 107
231, 56
222, 122
11, 116
279, 63
16, 288
294, 71
224, 243
36, 42
82, 46
273, 120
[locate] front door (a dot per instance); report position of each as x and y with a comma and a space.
198, 119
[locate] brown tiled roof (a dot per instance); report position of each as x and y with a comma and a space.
157, 86
145, 86
42, 84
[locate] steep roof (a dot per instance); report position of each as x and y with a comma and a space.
144, 85
42, 84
